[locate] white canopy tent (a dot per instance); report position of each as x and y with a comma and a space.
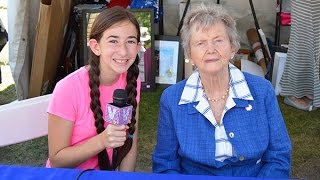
23, 18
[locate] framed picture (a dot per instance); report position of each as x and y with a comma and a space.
85, 15
146, 65
169, 59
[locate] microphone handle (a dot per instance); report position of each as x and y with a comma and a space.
115, 158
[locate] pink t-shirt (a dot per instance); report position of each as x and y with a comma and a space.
71, 101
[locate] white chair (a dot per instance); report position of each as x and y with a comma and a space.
23, 120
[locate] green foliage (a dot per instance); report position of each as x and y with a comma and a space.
144, 19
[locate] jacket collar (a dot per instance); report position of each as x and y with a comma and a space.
239, 94
193, 90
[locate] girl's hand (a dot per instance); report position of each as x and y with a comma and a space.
114, 136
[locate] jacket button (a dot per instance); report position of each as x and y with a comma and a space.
231, 135
241, 158
249, 107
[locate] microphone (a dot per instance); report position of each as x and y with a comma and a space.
118, 113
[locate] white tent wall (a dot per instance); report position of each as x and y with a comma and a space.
239, 9
22, 20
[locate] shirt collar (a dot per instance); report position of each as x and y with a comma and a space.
193, 90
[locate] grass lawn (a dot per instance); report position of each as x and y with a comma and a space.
303, 127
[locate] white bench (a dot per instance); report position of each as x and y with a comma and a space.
24, 120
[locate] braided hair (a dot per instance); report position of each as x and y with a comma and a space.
103, 21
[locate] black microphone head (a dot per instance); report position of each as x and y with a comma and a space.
119, 97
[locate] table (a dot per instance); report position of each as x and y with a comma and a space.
25, 172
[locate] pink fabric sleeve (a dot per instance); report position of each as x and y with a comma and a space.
63, 102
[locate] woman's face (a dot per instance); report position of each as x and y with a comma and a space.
118, 47
210, 48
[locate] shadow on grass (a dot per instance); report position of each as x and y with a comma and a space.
303, 128
8, 95
148, 121
304, 132
29, 153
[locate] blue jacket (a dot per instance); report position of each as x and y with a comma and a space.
186, 142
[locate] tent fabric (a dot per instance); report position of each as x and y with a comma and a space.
22, 16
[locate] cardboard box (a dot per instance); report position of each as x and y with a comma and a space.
50, 30
278, 67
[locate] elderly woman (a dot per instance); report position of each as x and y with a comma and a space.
220, 121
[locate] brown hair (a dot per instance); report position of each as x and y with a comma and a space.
103, 21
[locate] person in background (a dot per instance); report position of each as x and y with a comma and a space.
220, 121
78, 136
300, 81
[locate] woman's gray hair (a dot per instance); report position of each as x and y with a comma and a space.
206, 15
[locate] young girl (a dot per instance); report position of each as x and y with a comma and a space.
78, 136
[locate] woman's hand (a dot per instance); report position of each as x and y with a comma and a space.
114, 136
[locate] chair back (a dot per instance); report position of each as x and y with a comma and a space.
24, 120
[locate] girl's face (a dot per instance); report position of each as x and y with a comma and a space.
117, 48
210, 48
